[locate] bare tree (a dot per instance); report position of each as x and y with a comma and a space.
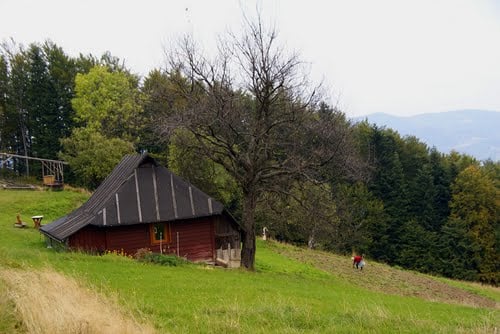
252, 110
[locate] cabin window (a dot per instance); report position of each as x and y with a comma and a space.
160, 232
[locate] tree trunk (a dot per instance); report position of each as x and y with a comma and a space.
23, 132
248, 215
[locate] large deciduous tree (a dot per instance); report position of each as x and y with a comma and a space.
108, 111
108, 102
474, 206
92, 156
252, 110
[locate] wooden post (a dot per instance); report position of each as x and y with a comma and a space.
177, 243
161, 239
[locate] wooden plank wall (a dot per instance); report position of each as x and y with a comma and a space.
196, 239
128, 238
89, 238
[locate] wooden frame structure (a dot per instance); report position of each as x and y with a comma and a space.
52, 170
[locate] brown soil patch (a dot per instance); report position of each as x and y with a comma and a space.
383, 278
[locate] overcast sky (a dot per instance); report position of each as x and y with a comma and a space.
394, 56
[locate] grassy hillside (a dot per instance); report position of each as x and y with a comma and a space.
292, 291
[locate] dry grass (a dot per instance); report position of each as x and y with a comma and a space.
10, 322
79, 190
49, 302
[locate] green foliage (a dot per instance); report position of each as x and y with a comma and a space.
4, 86
109, 103
389, 184
37, 85
42, 106
362, 223
161, 259
457, 256
208, 176
425, 229
419, 250
163, 93
442, 177
62, 69
422, 196
37, 92
475, 206
93, 156
145, 255
16, 132
304, 215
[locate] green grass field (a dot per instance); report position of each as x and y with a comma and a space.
292, 291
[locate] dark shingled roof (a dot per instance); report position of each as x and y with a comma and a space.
137, 191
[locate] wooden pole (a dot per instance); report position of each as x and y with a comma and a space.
177, 243
161, 239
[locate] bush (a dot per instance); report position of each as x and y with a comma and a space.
142, 253
145, 255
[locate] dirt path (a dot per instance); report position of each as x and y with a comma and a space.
382, 278
49, 302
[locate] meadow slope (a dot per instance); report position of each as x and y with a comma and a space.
293, 290
389, 280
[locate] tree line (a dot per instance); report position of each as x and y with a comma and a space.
247, 127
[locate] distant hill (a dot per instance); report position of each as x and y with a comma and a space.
473, 132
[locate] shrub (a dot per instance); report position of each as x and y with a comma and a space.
142, 253
145, 255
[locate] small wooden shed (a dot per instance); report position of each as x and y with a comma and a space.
143, 205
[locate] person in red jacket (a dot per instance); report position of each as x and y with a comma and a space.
356, 260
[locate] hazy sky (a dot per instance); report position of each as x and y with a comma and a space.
395, 56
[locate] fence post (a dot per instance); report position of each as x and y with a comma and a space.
177, 243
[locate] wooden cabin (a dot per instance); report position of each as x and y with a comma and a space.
143, 205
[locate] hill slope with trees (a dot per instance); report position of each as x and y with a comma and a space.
261, 141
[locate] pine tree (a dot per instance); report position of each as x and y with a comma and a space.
4, 84
17, 109
389, 185
418, 247
442, 194
42, 106
457, 256
422, 196
62, 71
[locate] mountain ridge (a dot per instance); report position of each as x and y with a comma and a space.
468, 131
